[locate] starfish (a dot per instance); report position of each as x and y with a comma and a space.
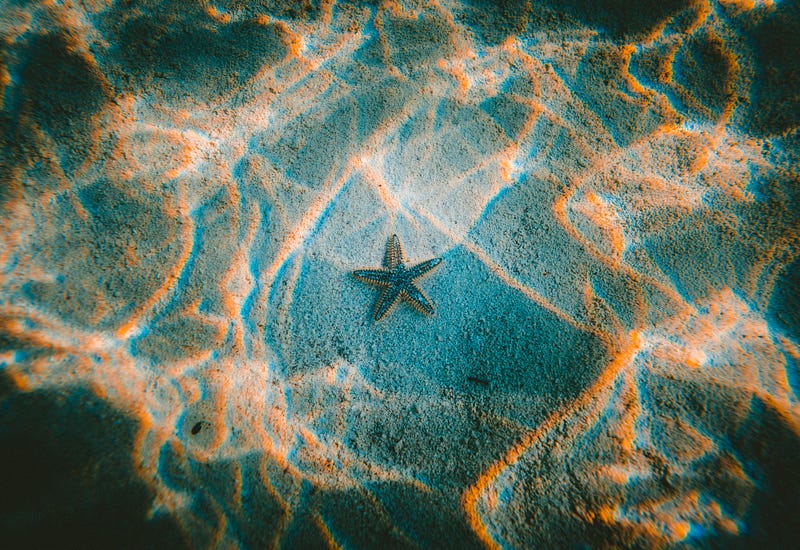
398, 280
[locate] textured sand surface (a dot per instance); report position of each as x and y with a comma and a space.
187, 186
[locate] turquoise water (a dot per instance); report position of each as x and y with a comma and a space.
186, 358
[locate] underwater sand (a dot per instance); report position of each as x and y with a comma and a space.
187, 187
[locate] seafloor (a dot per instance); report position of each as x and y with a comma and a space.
187, 186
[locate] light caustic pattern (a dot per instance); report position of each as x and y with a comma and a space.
614, 195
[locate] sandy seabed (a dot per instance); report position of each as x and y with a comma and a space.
187, 186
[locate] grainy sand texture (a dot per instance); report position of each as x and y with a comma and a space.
187, 186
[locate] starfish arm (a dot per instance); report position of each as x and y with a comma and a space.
416, 298
373, 276
394, 252
421, 269
388, 298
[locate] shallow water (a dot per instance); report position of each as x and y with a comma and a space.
187, 188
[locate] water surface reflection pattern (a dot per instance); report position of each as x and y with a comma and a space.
188, 186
